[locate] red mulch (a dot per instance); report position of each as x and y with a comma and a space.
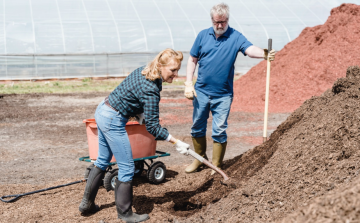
305, 67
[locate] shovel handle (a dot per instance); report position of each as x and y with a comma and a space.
195, 155
267, 91
207, 163
269, 45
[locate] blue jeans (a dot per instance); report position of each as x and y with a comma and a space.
114, 140
220, 110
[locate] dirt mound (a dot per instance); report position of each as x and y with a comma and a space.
313, 152
340, 205
305, 67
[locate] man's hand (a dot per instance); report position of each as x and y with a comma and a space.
189, 90
182, 147
270, 55
141, 118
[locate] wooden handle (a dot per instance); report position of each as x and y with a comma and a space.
267, 91
207, 163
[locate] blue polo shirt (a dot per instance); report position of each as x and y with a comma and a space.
216, 59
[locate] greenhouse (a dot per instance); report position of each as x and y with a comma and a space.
46, 39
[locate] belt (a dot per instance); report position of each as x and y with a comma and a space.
108, 104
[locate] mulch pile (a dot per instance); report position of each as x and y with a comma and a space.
340, 205
305, 67
312, 153
306, 172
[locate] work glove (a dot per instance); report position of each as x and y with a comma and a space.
271, 55
140, 118
182, 147
189, 90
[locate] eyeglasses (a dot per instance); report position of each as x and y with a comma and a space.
219, 22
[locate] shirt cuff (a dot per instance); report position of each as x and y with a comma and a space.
168, 138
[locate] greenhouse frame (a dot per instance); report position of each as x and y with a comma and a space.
47, 39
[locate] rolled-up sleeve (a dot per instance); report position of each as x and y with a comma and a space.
243, 44
150, 101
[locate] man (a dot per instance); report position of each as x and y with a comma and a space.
215, 49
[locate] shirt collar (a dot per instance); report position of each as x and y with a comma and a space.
159, 82
226, 34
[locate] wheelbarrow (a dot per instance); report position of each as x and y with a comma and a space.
143, 146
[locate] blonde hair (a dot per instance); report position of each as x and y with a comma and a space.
152, 72
220, 9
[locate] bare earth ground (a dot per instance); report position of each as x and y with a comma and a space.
42, 136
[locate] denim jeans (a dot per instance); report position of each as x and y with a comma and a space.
219, 108
114, 140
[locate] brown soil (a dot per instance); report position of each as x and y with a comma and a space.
309, 164
306, 66
340, 205
310, 154
42, 136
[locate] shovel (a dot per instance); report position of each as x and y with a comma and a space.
207, 163
267, 92
229, 182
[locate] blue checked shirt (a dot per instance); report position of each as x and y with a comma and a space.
137, 95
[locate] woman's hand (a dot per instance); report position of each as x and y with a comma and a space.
182, 147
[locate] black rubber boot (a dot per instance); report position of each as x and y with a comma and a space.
123, 201
93, 183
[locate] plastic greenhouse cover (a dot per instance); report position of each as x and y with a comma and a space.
76, 38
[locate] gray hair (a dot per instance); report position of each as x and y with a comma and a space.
220, 9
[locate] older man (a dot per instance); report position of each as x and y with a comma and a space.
215, 50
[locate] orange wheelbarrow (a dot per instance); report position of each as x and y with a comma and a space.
143, 146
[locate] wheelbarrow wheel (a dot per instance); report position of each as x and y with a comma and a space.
139, 168
87, 172
156, 173
110, 179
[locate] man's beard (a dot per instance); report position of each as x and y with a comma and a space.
220, 31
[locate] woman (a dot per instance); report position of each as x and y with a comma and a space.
138, 94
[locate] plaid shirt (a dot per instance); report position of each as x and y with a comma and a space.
136, 95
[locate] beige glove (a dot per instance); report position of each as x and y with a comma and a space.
189, 90
271, 55
182, 147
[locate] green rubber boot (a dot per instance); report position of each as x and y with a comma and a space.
200, 148
218, 154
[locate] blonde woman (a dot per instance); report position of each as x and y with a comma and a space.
138, 94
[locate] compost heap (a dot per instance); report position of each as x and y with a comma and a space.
305, 67
310, 155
